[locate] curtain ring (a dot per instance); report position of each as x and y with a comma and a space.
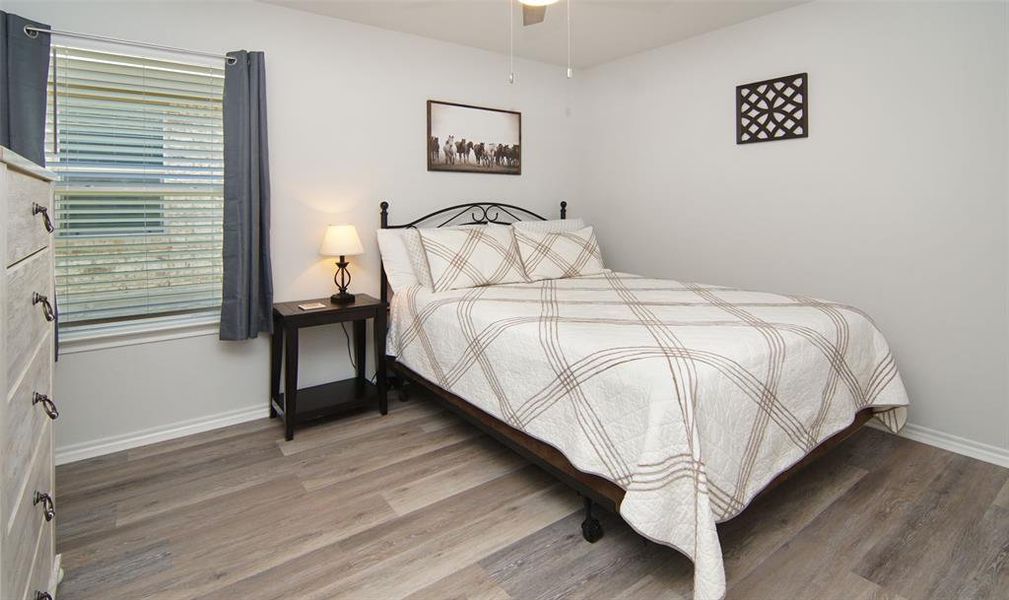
32, 33
231, 60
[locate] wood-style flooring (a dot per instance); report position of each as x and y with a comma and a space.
417, 504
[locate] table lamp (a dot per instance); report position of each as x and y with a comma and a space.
342, 241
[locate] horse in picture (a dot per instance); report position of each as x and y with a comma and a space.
434, 148
463, 149
450, 150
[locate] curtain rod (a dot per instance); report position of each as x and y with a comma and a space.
33, 32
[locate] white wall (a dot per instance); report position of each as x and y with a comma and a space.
895, 203
347, 129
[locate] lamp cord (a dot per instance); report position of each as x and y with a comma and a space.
350, 351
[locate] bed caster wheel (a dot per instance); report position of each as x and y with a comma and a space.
592, 531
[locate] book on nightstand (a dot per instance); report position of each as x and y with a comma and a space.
312, 306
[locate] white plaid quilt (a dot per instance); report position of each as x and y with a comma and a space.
690, 397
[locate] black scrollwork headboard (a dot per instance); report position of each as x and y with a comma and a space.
473, 213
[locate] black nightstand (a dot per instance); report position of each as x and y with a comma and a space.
308, 404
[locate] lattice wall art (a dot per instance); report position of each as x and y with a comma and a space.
774, 109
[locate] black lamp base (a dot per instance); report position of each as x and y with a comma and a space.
342, 280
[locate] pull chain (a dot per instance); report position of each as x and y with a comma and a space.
567, 5
511, 41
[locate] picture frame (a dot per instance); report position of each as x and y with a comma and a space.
463, 138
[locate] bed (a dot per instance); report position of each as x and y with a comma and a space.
671, 403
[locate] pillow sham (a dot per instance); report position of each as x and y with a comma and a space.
472, 257
415, 248
404, 259
550, 226
559, 254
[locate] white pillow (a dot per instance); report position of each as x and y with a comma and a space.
403, 258
559, 254
472, 257
550, 226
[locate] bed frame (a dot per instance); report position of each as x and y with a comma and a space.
596, 491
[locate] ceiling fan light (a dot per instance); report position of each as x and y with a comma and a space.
538, 2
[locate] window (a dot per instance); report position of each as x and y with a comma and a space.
138, 147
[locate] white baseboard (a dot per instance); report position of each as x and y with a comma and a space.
68, 454
81, 451
57, 575
947, 441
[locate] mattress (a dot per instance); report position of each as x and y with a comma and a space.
690, 397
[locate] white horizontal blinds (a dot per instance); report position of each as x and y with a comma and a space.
138, 146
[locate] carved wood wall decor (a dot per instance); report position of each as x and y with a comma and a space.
773, 109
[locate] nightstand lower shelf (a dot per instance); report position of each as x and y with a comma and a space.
329, 399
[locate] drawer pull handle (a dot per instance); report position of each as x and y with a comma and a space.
38, 209
48, 507
47, 405
43, 595
47, 309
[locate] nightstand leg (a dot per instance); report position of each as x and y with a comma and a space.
276, 351
380, 379
290, 381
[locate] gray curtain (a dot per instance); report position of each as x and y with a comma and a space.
24, 69
247, 305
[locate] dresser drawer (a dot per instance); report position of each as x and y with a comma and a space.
26, 230
23, 424
42, 572
22, 532
27, 283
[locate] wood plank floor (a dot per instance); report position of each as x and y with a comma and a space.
417, 504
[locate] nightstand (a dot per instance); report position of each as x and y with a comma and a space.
299, 406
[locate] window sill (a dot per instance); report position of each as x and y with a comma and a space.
151, 331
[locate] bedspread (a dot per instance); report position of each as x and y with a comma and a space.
690, 397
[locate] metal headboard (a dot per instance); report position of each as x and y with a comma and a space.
473, 213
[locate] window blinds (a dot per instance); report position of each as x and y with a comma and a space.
138, 147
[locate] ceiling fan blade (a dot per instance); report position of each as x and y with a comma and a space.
532, 15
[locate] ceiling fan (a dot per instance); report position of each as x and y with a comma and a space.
534, 11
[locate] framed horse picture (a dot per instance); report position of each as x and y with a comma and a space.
473, 139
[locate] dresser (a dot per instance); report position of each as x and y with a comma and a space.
28, 565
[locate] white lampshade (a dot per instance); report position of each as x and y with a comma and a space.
341, 240
538, 2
